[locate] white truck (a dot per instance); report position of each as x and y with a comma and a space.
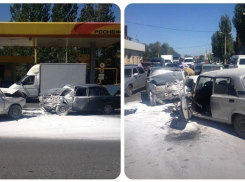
46, 76
237, 61
167, 58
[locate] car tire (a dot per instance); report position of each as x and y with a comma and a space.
108, 109
15, 112
62, 110
129, 91
152, 99
239, 125
182, 114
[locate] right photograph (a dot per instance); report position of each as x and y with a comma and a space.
184, 67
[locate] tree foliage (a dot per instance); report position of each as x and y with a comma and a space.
239, 23
223, 38
157, 49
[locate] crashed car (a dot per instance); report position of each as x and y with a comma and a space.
12, 102
218, 96
86, 97
163, 83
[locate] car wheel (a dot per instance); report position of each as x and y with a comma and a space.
107, 109
62, 110
239, 125
152, 99
15, 112
129, 91
182, 114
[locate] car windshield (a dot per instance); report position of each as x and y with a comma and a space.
127, 73
234, 60
217, 67
188, 60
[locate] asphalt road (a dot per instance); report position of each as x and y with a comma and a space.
23, 158
47, 146
161, 145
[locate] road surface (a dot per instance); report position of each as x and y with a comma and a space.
161, 145
47, 146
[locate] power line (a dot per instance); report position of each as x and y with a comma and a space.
192, 46
176, 29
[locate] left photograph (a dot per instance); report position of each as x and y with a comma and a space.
60, 91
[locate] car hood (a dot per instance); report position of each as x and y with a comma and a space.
168, 77
11, 92
53, 91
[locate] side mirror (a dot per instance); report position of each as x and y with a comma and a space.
135, 74
189, 83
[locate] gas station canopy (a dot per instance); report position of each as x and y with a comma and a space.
59, 34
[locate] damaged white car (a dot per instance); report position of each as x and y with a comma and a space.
12, 102
86, 97
163, 83
217, 96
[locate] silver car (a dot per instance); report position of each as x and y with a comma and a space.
12, 102
134, 79
163, 83
217, 96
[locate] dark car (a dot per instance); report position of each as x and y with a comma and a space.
202, 68
157, 61
86, 97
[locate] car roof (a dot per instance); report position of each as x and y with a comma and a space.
82, 85
165, 68
232, 73
131, 66
212, 65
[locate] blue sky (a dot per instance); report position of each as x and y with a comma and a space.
187, 28
6, 16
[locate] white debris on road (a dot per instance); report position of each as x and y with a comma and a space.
38, 124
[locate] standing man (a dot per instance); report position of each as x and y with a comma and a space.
182, 63
140, 64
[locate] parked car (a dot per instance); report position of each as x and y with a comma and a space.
202, 68
163, 83
12, 102
157, 61
85, 97
217, 96
237, 61
146, 65
134, 79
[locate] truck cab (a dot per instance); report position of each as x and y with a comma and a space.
29, 84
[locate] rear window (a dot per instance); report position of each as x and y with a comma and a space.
242, 61
234, 60
188, 60
217, 67
206, 68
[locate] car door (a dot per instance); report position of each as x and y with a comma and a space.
141, 77
30, 85
80, 99
224, 98
2, 101
96, 99
136, 78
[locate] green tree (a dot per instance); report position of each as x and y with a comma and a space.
222, 40
109, 55
64, 13
239, 23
